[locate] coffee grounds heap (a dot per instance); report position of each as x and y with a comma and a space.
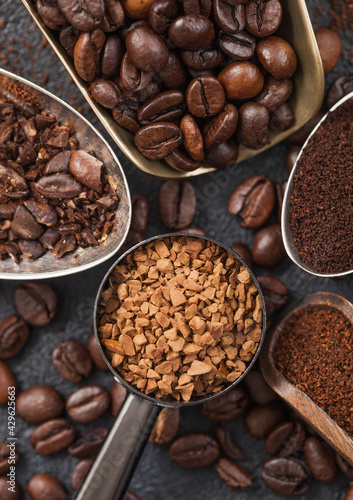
180, 319
321, 204
314, 352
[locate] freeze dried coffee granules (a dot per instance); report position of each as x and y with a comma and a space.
321, 204
181, 318
314, 352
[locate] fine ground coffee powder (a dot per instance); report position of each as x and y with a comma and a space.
314, 352
321, 208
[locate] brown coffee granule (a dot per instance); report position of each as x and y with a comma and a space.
314, 352
321, 204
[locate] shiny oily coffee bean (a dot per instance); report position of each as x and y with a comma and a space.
236, 476
192, 138
147, 50
36, 303
85, 16
221, 127
50, 12
277, 56
43, 486
191, 32
229, 18
118, 394
344, 466
222, 156
161, 14
112, 54
166, 426
227, 444
206, 58
182, 161
260, 420
253, 200
39, 403
240, 46
259, 391
14, 333
157, 140
330, 47
132, 78
263, 18
8, 457
205, 96
291, 157
241, 80
268, 249
72, 360
79, 473
68, 38
87, 403
340, 87
244, 253
52, 436
168, 106
106, 93
7, 380
320, 460
193, 451
87, 54
140, 212
274, 291
177, 204
282, 118
252, 131
275, 93
173, 75
89, 444
5, 493
229, 406
286, 476
285, 439
93, 349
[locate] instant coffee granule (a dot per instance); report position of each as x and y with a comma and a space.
321, 204
181, 318
314, 352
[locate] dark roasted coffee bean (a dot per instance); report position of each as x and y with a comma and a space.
244, 253
260, 392
277, 57
87, 54
229, 18
344, 466
140, 212
12, 184
282, 118
50, 12
14, 333
106, 93
58, 163
236, 476
72, 360
222, 156
177, 204
285, 476
260, 420
274, 291
221, 127
320, 460
173, 75
87, 403
330, 47
8, 457
112, 54
152, 90
227, 444
43, 486
6, 493
268, 249
191, 32
241, 80
301, 135
89, 444
275, 93
114, 16
39, 403
36, 303
252, 131
291, 157
157, 140
240, 46
192, 138
58, 186
52, 436
8, 382
146, 49
203, 7
340, 88
193, 451
85, 16
24, 225
205, 96
118, 394
95, 353
166, 426
131, 77
285, 439
263, 18
126, 117
161, 14
182, 161
79, 473
230, 405
68, 38
206, 58
168, 106
253, 200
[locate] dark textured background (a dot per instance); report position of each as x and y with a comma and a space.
157, 477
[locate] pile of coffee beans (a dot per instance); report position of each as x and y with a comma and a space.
190, 79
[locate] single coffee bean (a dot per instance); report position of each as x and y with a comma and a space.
221, 127
24, 225
8, 457
282, 118
43, 486
86, 169
252, 131
236, 476
5, 493
268, 249
93, 349
14, 333
263, 18
291, 157
36, 303
241, 80
340, 88
229, 406
106, 93
118, 394
7, 381
89, 444
50, 12
285, 476
320, 461
274, 291
173, 75
203, 59
166, 426
147, 50
229, 18
82, 15
244, 253
87, 53
192, 138
161, 14
72, 360
301, 135
58, 186
191, 32
39, 403
344, 466
205, 96
240, 46
79, 473
87, 403
193, 451
277, 57
52, 436
132, 79
222, 156
330, 47
182, 161
194, 230
286, 439
227, 444
168, 106
112, 55
177, 204
140, 212
259, 391
157, 140
260, 420
275, 93
349, 494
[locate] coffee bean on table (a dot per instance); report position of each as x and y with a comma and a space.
252, 131
7, 379
166, 426
89, 444
52, 436
274, 291
222, 156
118, 394
259, 390
340, 88
157, 140
5, 455
5, 493
320, 460
227, 444
39, 403
286, 476
330, 48
14, 333
263, 18
291, 156
36, 303
268, 249
286, 439
244, 253
192, 138
229, 406
205, 96
79, 473
44, 486
236, 476
241, 80
177, 204
344, 466
87, 403
191, 32
72, 360
260, 420
95, 353
349, 494
193, 451
277, 56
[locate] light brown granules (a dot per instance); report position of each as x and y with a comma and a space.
181, 318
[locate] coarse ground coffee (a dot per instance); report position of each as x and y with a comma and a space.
321, 207
314, 352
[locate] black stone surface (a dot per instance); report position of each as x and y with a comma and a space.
157, 477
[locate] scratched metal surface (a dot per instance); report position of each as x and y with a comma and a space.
156, 477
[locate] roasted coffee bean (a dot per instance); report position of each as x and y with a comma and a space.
259, 391
192, 138
268, 249
166, 426
285, 439
282, 118
340, 88
236, 476
191, 32
240, 46
263, 18
5, 493
349, 494
43, 486
111, 57
106, 93
30, 250
203, 7
14, 333
277, 57
72, 360
39, 403
194, 230
87, 53
132, 78
227, 444
64, 245
118, 394
320, 461
229, 18
146, 49
58, 186
253, 200
36, 303
244, 253
89, 444
52, 436
168, 106
87, 403
68, 38
12, 184
140, 212
58, 163
291, 157
206, 58
161, 14
24, 225
193, 451
85, 16
177, 204
260, 420
86, 169
152, 90
222, 156
330, 48
274, 291
7, 380
79, 473
285, 476
241, 80
157, 140
301, 135
93, 349
344, 466
230, 405
221, 127
275, 93
173, 75
205, 96
182, 161
50, 12
44, 214
8, 457
114, 16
